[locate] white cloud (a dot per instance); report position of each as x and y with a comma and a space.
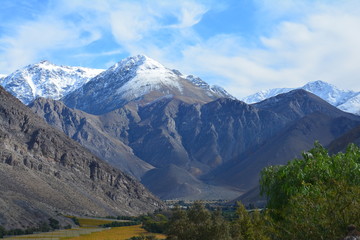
320, 44
34, 39
146, 26
143, 26
31, 40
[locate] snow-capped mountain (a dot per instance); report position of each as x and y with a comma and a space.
215, 89
346, 100
140, 79
2, 77
47, 80
352, 105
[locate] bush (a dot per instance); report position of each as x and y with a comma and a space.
120, 224
76, 221
155, 223
147, 237
2, 231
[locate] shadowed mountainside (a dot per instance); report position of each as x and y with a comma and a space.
44, 173
212, 149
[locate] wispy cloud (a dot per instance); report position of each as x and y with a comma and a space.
317, 44
137, 26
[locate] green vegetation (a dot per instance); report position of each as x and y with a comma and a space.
316, 197
144, 237
200, 223
120, 224
75, 220
155, 223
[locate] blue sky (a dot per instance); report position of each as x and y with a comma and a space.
243, 45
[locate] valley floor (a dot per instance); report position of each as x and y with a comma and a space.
90, 231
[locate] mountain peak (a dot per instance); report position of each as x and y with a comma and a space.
346, 100
142, 80
45, 79
138, 62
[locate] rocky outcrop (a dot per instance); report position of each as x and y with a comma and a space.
99, 134
44, 173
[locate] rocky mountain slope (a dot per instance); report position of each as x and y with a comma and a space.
346, 100
47, 80
308, 118
44, 173
142, 80
217, 149
94, 132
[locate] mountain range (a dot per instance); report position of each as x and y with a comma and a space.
346, 100
185, 139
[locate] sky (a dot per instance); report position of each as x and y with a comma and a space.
242, 45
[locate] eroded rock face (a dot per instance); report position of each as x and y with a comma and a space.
44, 173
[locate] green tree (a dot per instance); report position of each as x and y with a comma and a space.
53, 223
315, 197
249, 225
2, 231
197, 223
324, 214
155, 223
308, 175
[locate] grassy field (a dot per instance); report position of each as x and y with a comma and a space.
118, 233
58, 235
90, 230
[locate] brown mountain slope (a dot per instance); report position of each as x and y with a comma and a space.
287, 145
43, 173
96, 133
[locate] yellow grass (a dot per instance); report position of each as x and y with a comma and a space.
58, 235
117, 233
90, 222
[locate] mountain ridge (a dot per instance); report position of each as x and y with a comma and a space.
45, 79
205, 139
346, 100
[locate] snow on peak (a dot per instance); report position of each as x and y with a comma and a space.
45, 79
139, 62
265, 94
328, 92
214, 89
345, 100
2, 77
135, 76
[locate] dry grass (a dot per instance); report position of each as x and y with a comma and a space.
117, 233
58, 235
89, 230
